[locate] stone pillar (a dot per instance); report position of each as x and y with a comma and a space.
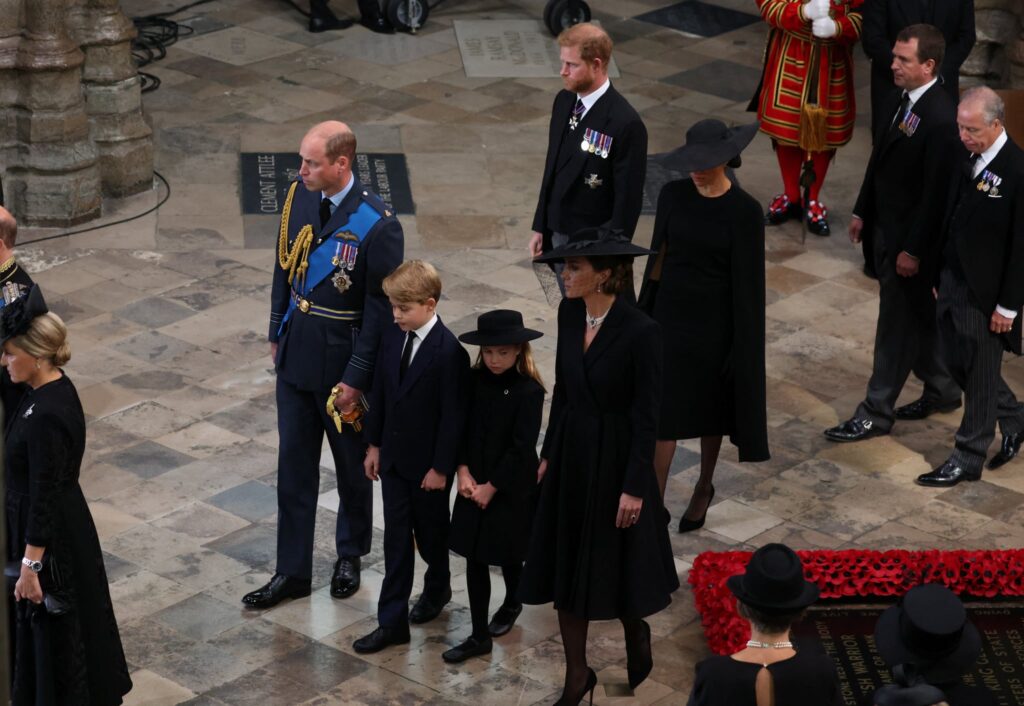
998, 56
113, 96
52, 176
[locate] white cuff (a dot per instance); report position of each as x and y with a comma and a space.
1008, 313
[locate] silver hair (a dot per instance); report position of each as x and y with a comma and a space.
992, 106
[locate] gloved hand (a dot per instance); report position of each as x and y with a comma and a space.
816, 9
825, 28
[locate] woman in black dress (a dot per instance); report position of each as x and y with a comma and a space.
705, 286
65, 644
599, 548
772, 595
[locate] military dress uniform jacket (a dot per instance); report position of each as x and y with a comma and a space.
336, 339
985, 226
907, 175
583, 189
14, 284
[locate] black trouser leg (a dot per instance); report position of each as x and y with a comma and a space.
478, 583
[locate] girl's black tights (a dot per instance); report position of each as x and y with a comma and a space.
478, 582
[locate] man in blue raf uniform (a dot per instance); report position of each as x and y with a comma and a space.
337, 243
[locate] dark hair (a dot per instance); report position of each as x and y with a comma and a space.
769, 623
622, 271
735, 162
930, 42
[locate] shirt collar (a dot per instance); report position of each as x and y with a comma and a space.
591, 98
915, 95
340, 196
988, 155
423, 331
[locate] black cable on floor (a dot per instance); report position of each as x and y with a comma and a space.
160, 203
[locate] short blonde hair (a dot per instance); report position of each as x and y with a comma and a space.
414, 281
47, 337
592, 42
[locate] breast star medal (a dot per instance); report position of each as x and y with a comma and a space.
341, 281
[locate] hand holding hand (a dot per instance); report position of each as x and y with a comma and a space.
824, 28
371, 464
906, 265
434, 481
483, 494
999, 323
467, 484
629, 510
816, 9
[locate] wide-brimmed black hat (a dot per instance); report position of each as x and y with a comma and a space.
910, 689
709, 143
501, 327
594, 242
16, 317
774, 581
929, 628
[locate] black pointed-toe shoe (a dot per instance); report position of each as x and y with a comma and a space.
380, 639
345, 579
946, 476
922, 408
503, 620
686, 525
472, 647
429, 607
276, 590
1008, 451
854, 430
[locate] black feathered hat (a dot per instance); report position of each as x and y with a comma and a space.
16, 317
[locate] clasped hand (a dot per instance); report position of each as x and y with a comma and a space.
28, 586
816, 9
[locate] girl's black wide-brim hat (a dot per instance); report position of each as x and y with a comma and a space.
594, 242
501, 327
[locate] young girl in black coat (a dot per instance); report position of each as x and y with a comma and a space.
498, 472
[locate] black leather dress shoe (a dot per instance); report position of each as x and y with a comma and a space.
922, 408
345, 579
946, 476
472, 647
377, 24
380, 638
503, 620
1007, 452
854, 430
429, 607
278, 589
321, 19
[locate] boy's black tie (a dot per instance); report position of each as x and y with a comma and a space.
406, 355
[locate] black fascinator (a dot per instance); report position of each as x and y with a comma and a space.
16, 317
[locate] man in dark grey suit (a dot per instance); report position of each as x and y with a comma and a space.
914, 156
981, 288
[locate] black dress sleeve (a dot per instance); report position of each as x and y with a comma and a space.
750, 434
521, 453
50, 447
648, 356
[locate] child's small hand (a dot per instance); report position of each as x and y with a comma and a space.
434, 481
467, 484
371, 464
483, 495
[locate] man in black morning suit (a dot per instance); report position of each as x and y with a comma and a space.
914, 156
597, 148
883, 20
981, 287
338, 242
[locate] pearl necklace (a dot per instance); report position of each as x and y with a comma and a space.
595, 321
770, 645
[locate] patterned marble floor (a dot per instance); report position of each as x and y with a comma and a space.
168, 317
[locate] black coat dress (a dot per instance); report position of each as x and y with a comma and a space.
500, 447
710, 303
75, 658
600, 444
807, 679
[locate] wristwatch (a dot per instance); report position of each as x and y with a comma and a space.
36, 566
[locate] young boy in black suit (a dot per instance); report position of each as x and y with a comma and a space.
412, 427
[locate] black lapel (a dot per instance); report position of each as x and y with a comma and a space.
610, 330
561, 120
974, 196
424, 356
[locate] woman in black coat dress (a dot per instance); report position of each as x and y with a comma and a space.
65, 644
706, 288
599, 548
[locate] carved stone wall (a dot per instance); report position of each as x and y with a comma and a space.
998, 56
71, 126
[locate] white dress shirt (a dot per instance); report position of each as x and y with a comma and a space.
421, 333
340, 196
591, 98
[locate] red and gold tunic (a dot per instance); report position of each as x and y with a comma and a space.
791, 47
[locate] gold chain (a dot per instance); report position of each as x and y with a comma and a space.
296, 259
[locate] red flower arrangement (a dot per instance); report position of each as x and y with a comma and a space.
853, 574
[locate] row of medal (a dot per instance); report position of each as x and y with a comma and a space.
345, 254
909, 124
596, 143
989, 183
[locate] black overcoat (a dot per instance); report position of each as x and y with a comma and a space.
499, 447
600, 444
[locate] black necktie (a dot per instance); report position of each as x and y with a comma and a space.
325, 211
406, 355
577, 114
969, 166
901, 111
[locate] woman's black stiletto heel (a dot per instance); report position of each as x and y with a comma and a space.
588, 688
639, 666
686, 525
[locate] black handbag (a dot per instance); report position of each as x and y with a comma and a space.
56, 596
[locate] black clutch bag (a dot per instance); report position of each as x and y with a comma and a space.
56, 597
